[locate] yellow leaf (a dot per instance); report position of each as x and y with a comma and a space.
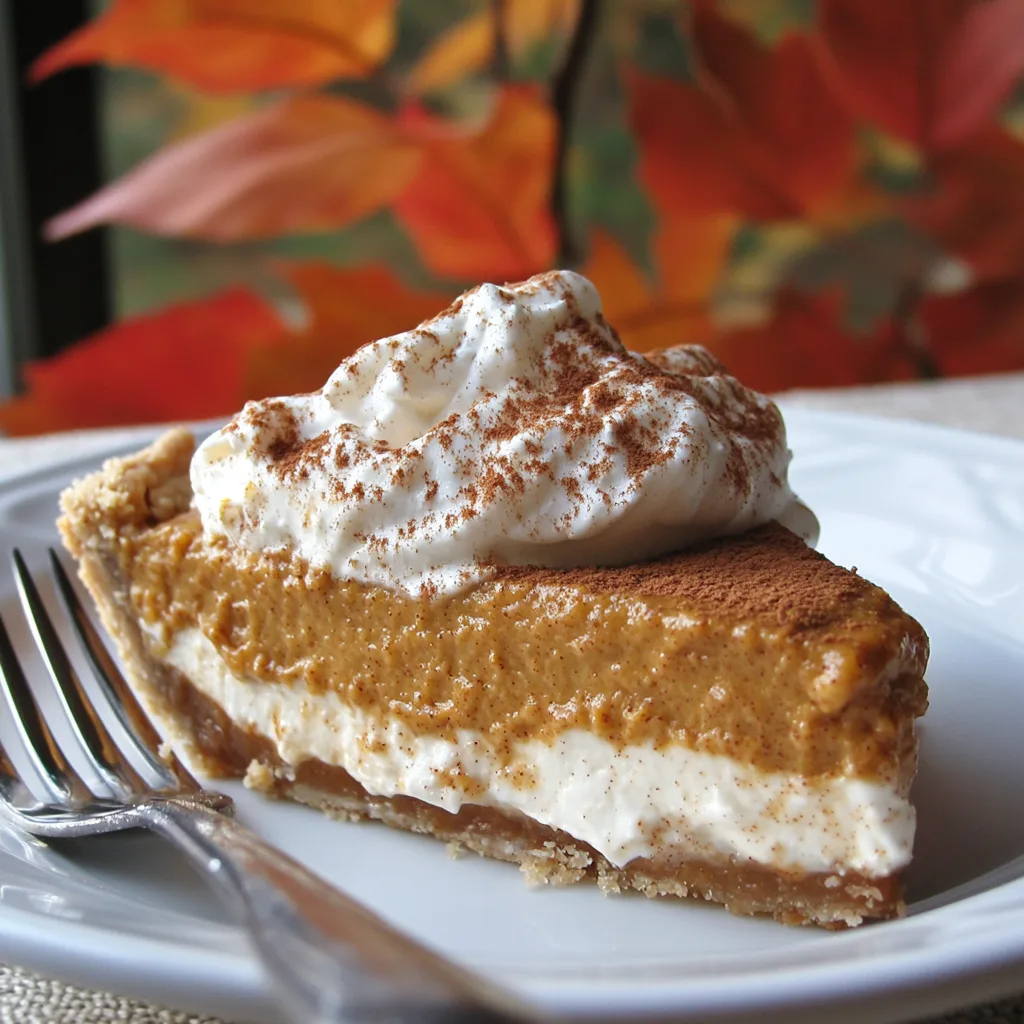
469, 45
463, 49
202, 111
529, 21
748, 283
768, 19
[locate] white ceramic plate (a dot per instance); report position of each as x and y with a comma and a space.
934, 516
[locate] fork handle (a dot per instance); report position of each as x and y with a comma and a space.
329, 958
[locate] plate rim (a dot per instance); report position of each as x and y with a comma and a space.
1000, 950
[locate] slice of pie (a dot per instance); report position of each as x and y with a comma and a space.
503, 582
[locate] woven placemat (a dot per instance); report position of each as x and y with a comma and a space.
991, 404
27, 998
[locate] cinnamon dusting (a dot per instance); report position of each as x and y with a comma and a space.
587, 393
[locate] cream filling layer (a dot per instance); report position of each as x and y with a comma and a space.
626, 803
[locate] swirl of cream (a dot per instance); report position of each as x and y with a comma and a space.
512, 428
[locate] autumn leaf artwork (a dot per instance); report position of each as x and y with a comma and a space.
823, 192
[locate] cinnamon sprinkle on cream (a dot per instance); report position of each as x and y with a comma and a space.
511, 426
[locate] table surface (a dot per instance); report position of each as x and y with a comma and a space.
989, 404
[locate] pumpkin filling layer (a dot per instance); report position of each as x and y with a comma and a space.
655, 655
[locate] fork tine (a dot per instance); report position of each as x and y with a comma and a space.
146, 740
60, 780
87, 726
13, 791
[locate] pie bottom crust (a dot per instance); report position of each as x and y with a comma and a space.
201, 730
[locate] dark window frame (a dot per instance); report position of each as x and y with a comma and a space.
54, 293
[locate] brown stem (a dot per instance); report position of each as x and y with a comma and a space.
910, 332
500, 58
563, 95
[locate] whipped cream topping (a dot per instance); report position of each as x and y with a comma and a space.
514, 428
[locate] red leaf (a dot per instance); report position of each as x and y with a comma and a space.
804, 345
689, 155
977, 210
206, 358
179, 364
978, 331
311, 163
478, 208
762, 135
791, 123
929, 71
234, 45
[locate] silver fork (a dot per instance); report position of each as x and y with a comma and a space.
329, 958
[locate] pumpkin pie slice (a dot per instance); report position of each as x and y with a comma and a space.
467, 595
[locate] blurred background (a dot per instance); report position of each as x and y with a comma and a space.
205, 201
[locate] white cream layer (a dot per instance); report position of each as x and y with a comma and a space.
634, 802
513, 427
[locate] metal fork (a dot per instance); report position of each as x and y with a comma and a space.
329, 958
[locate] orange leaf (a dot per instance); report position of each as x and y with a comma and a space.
977, 331
478, 208
762, 136
234, 45
179, 364
929, 71
691, 257
311, 163
469, 45
804, 345
978, 208
622, 284
347, 308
